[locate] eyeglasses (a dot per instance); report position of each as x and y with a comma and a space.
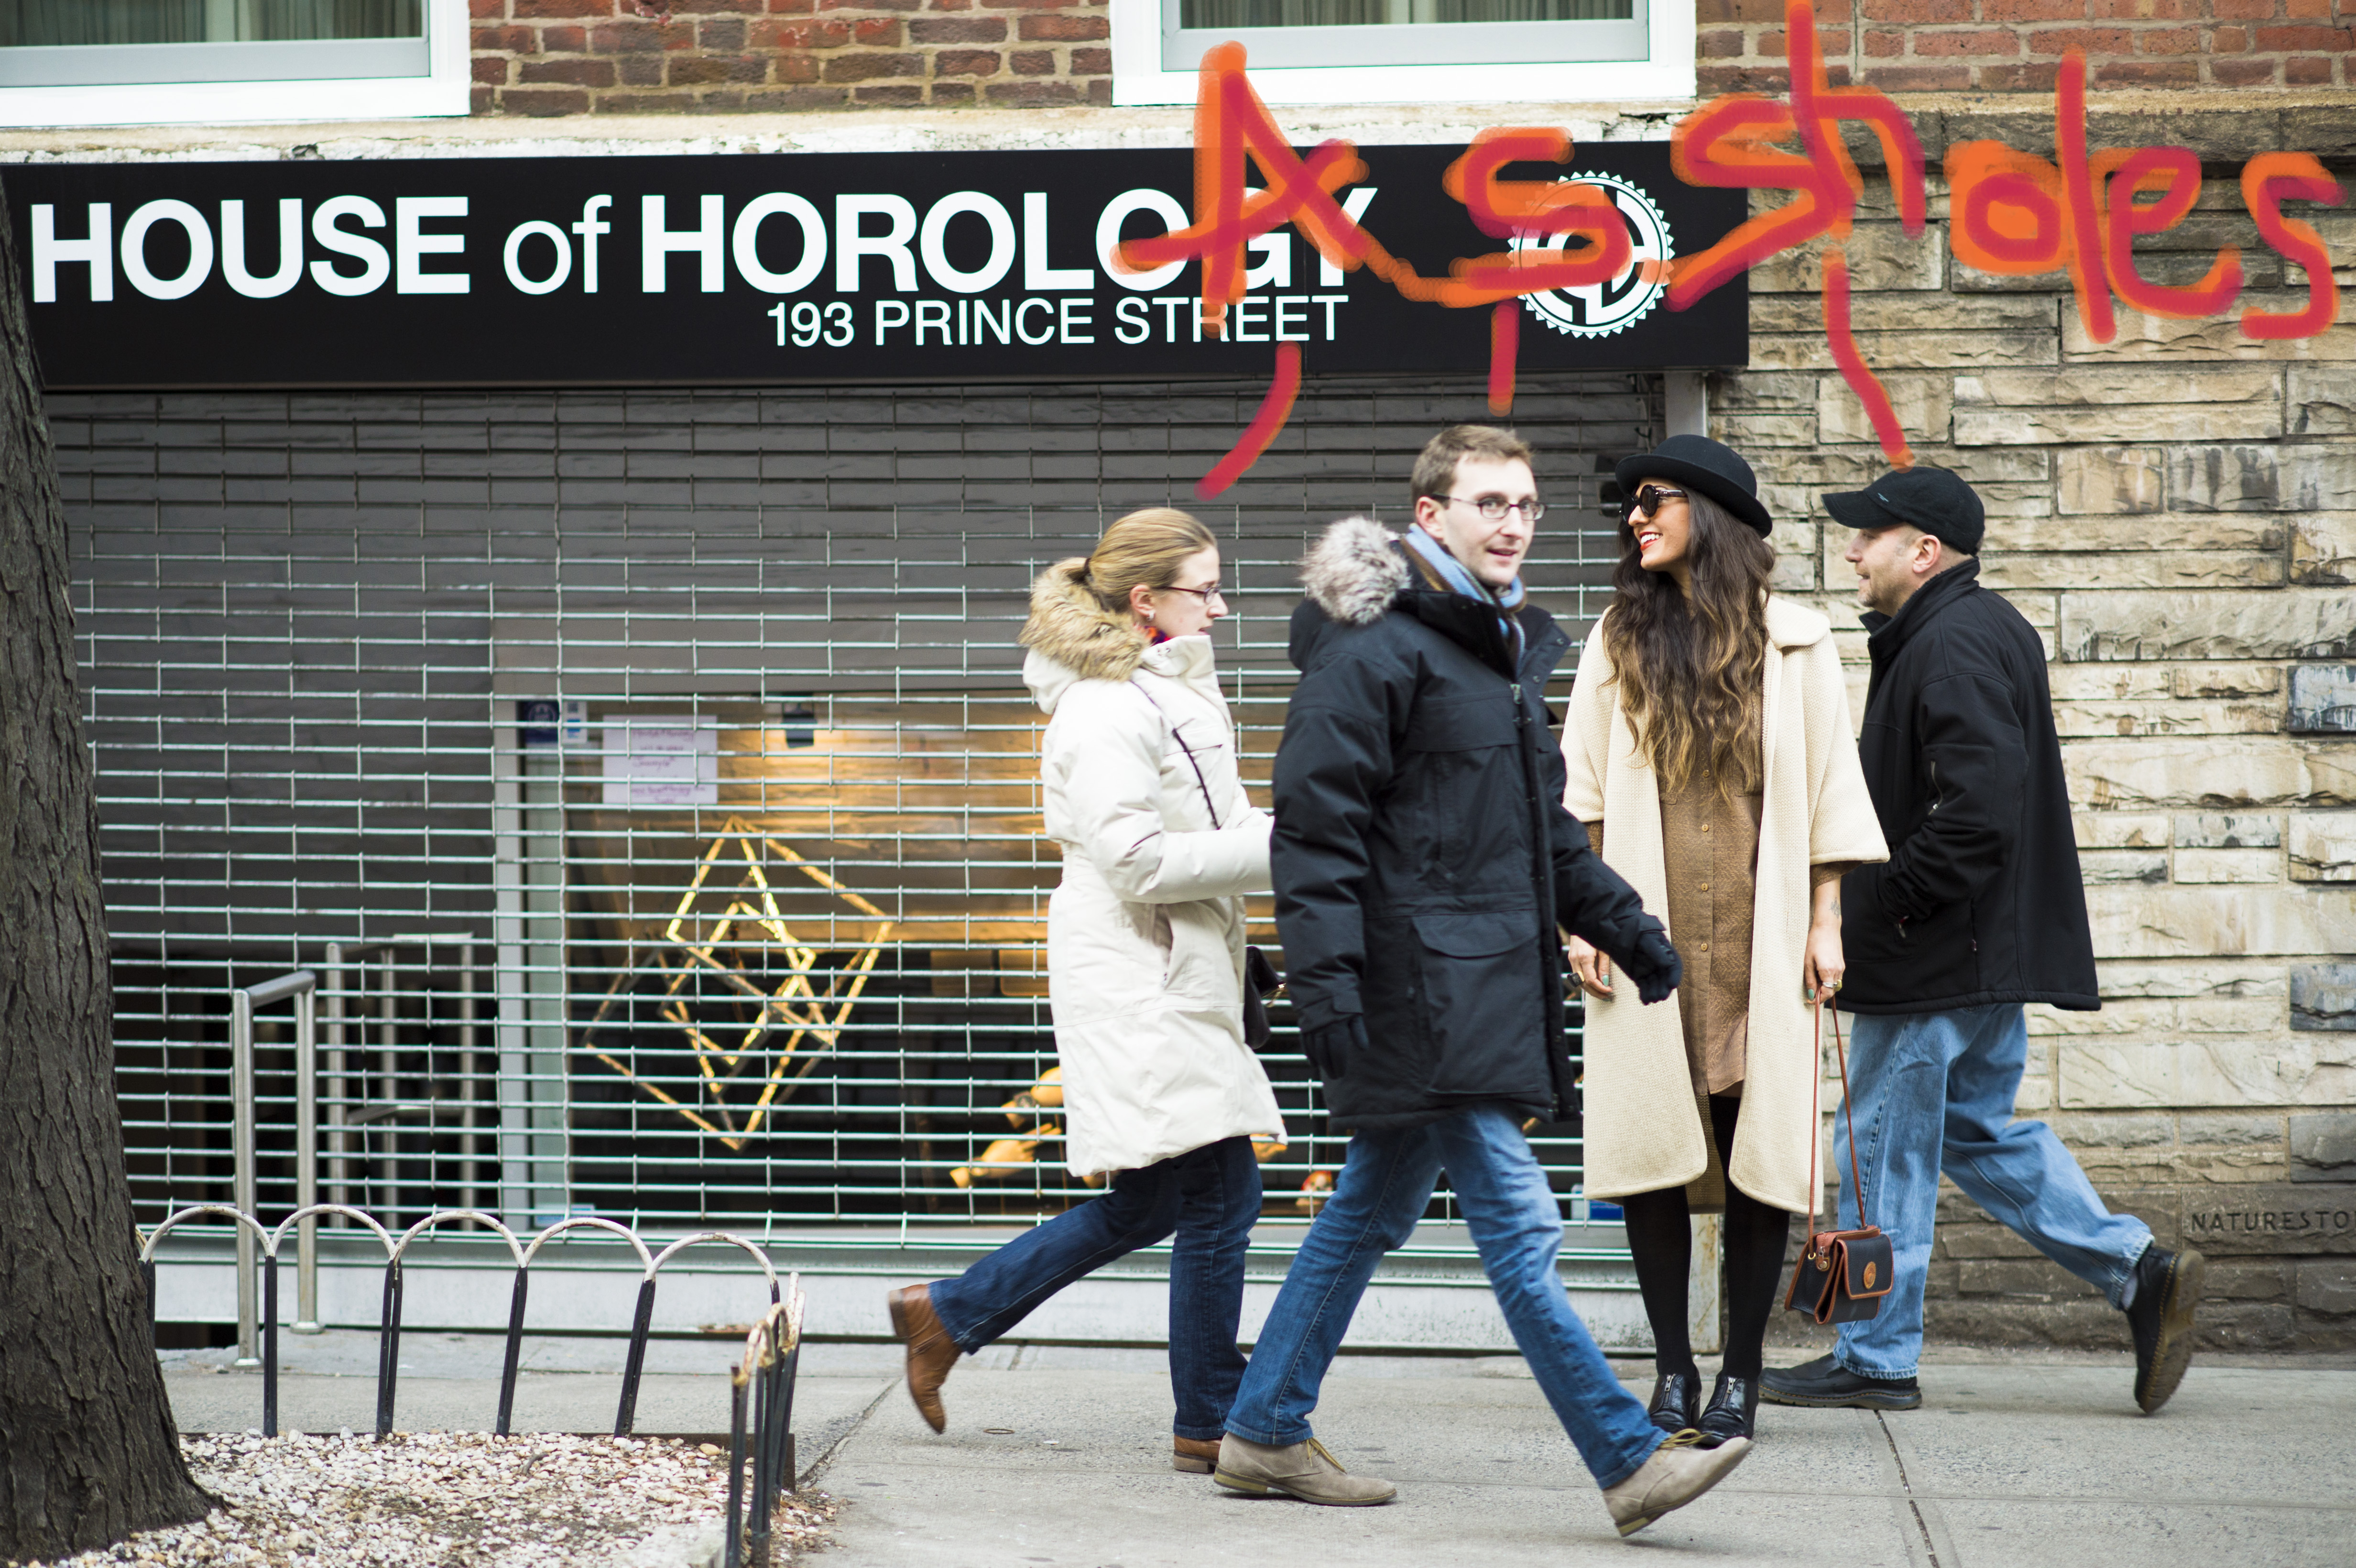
1493, 508
1648, 500
1204, 594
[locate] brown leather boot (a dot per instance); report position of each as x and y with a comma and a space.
931, 1351
1196, 1456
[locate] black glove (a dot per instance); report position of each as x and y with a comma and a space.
1333, 1047
1649, 960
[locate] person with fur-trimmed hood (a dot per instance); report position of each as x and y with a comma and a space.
1145, 970
1423, 863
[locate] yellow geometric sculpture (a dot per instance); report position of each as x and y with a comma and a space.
810, 1007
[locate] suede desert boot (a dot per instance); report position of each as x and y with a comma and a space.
931, 1351
1302, 1471
1671, 1477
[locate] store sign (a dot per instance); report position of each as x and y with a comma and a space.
796, 268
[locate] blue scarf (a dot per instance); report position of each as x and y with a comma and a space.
1503, 601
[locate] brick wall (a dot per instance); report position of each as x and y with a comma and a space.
2015, 46
616, 56
2175, 511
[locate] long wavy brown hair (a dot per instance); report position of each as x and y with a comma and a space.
1690, 671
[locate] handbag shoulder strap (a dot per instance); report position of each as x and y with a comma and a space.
1815, 1120
1200, 781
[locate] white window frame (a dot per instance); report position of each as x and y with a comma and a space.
444, 89
1141, 77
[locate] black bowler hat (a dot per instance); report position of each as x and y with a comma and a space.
1936, 500
1712, 467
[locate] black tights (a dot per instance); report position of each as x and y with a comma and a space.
1662, 1242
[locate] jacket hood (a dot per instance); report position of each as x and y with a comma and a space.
1072, 636
1354, 572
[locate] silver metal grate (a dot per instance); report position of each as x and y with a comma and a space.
658, 765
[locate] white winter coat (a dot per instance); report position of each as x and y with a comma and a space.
1145, 933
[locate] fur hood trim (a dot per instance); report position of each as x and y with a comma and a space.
1070, 625
1354, 572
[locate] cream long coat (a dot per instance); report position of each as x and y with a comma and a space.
1145, 933
1644, 1131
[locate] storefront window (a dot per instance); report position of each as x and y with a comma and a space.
68, 62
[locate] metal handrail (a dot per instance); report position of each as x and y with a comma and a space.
302, 987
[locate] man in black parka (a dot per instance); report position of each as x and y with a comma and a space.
1423, 863
1977, 911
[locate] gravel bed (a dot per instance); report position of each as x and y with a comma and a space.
458, 1500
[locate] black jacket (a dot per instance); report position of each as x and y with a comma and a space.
1422, 854
1979, 902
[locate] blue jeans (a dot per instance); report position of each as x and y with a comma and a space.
1382, 1190
1934, 1092
1209, 1198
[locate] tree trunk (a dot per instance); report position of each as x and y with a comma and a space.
88, 1453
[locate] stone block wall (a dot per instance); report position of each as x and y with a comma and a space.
2015, 46
687, 56
2175, 511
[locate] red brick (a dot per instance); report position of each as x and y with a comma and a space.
564, 40
725, 34
792, 7
957, 30
574, 72
965, 63
1739, 11
649, 103
1100, 91
877, 32
2146, 10
868, 67
2034, 10
2241, 73
487, 10
635, 36
871, 4
527, 10
1884, 45
888, 97
490, 69
1968, 41
1831, 11
1715, 79
952, 5
641, 71
2146, 73
1720, 44
2303, 40
2306, 72
710, 70
825, 33
481, 100
505, 40
1031, 94
2030, 78
1033, 62
1835, 45
2244, 10
1025, 5
2228, 40
2169, 41
1919, 78
2093, 40
544, 101
1091, 62
2308, 8
796, 68
953, 92
1920, 10
1065, 29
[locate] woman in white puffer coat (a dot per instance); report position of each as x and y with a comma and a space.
1145, 970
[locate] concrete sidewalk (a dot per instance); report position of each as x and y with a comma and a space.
1059, 1457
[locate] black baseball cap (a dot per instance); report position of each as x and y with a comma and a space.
1936, 500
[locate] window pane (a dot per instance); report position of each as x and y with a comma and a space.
72, 23
1229, 14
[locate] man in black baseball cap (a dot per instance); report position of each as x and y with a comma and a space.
1977, 911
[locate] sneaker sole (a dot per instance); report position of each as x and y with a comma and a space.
2173, 1355
1270, 1489
1910, 1400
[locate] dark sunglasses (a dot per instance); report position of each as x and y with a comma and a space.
1648, 500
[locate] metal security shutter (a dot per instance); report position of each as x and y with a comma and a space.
658, 766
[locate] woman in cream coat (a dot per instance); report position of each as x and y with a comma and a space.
1710, 754
1145, 963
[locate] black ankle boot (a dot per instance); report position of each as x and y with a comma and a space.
1677, 1396
1733, 1411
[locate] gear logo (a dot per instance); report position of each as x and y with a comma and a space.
1598, 310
